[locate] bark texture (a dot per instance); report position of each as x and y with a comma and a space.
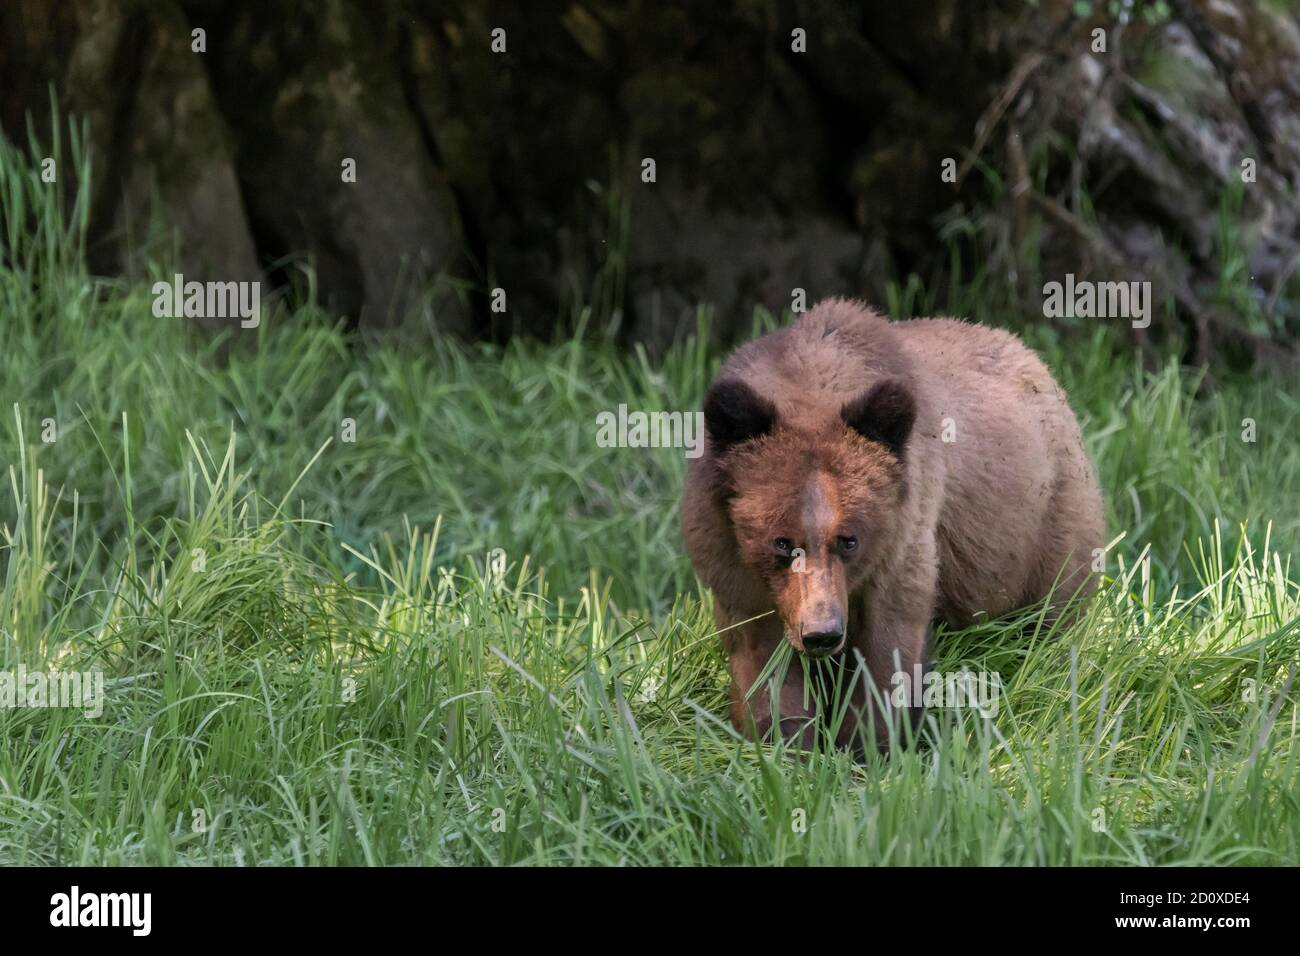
1172, 155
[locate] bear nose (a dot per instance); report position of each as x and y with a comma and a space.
822, 641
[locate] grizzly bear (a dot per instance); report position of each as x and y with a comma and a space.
863, 478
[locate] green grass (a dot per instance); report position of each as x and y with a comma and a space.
301, 637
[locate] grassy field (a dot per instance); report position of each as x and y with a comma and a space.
307, 659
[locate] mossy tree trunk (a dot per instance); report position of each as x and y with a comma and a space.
1172, 155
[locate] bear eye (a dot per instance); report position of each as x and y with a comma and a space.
783, 546
848, 544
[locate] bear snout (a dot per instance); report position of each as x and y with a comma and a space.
822, 636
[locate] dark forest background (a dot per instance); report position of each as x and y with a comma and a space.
775, 169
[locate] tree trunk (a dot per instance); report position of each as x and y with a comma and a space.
1169, 155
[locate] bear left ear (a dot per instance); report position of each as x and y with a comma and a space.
884, 413
734, 412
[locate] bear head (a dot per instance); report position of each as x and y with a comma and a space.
813, 509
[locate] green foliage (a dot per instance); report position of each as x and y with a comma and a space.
1144, 11
302, 639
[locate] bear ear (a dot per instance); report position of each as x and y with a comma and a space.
884, 413
734, 412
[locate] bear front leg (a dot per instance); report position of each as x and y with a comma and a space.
894, 644
749, 647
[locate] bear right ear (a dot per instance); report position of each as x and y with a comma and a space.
885, 414
734, 412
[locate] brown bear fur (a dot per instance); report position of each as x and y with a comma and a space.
827, 434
